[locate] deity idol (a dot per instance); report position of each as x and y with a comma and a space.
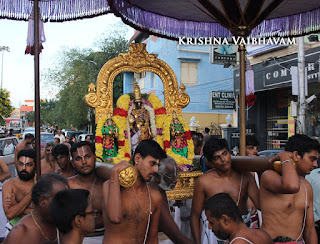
110, 133
178, 142
139, 120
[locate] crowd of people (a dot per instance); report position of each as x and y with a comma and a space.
78, 201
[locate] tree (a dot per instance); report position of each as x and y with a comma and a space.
48, 115
75, 70
5, 106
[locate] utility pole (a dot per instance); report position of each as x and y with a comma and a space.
2, 49
302, 88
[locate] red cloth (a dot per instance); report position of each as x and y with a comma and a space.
167, 144
160, 111
187, 135
121, 112
98, 139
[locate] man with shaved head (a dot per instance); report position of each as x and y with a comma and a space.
166, 180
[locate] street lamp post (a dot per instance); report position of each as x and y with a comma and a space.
2, 49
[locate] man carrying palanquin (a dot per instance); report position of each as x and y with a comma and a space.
131, 214
287, 198
222, 178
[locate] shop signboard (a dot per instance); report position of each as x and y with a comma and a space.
222, 100
223, 54
275, 72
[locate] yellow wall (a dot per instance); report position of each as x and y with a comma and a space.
205, 119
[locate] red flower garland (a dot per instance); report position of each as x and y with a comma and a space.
127, 155
167, 144
251, 99
121, 112
161, 110
98, 139
187, 135
120, 143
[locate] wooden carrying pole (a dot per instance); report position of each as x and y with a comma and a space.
37, 87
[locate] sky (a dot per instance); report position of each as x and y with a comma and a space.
18, 68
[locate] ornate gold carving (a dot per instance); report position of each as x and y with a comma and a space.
92, 88
136, 60
127, 177
91, 98
185, 185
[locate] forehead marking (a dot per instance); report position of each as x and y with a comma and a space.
82, 152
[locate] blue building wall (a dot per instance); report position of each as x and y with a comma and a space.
210, 77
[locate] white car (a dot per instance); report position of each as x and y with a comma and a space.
27, 130
7, 147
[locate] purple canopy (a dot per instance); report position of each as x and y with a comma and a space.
221, 18
214, 18
54, 10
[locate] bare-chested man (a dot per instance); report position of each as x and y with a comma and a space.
48, 164
26, 143
61, 155
166, 180
131, 214
84, 162
71, 210
287, 198
4, 174
222, 178
16, 192
226, 222
38, 226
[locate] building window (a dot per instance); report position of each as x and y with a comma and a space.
189, 73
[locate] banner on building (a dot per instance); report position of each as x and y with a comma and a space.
224, 54
222, 100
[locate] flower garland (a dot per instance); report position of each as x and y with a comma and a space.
119, 118
160, 115
182, 161
124, 107
251, 99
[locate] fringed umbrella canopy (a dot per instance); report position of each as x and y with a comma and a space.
49, 10
54, 10
218, 18
222, 18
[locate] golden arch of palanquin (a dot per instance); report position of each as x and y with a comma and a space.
136, 60
139, 60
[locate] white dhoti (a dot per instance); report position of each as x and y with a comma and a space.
93, 240
207, 236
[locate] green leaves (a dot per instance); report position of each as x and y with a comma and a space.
5, 106
75, 69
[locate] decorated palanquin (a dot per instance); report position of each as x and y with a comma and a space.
143, 116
